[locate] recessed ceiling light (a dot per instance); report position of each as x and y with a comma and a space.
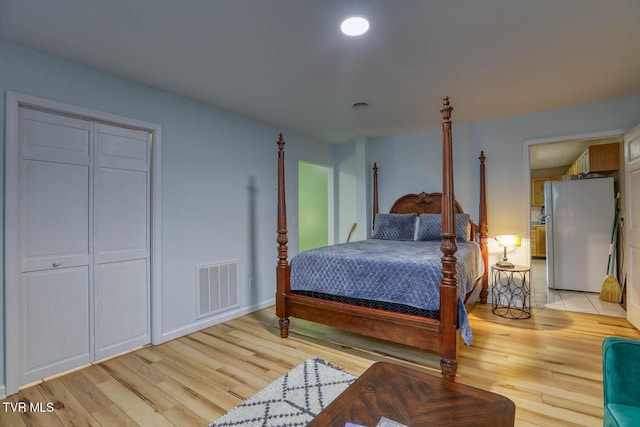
354, 26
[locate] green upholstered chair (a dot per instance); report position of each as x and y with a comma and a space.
621, 381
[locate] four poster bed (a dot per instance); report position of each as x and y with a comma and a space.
399, 285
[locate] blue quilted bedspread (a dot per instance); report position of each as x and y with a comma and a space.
398, 272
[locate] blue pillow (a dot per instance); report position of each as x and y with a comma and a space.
430, 227
394, 226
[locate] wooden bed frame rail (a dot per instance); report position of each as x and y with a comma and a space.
439, 335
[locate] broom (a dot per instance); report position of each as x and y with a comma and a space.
611, 288
353, 228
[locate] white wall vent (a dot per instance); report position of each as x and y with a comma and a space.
217, 288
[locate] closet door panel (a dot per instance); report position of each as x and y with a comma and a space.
56, 205
121, 302
122, 148
54, 138
121, 215
56, 321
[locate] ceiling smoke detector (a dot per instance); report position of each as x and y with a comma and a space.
360, 105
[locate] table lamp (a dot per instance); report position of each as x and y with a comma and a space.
507, 241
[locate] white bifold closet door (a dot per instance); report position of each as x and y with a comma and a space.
84, 241
121, 240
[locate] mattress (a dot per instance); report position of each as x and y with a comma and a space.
399, 276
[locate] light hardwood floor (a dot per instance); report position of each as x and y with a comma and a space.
549, 365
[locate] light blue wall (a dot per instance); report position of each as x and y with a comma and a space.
344, 190
210, 158
413, 162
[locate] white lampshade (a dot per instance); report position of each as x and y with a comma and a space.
508, 240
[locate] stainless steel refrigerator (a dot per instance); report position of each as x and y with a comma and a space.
579, 222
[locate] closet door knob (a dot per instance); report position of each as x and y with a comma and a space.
57, 263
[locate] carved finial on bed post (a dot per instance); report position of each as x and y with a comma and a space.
446, 111
484, 229
282, 269
375, 194
449, 281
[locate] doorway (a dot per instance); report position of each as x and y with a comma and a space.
82, 226
315, 206
562, 159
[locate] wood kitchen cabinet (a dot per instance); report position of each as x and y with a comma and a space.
539, 241
602, 158
537, 189
597, 158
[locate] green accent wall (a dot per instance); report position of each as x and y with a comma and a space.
313, 206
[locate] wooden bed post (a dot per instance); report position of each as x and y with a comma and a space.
375, 194
449, 281
282, 269
484, 230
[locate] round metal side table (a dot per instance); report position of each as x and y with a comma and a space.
510, 292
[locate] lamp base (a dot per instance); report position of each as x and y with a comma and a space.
504, 264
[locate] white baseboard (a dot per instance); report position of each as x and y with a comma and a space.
223, 317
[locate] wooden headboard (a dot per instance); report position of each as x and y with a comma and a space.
421, 203
429, 203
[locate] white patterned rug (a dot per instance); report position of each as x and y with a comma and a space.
291, 400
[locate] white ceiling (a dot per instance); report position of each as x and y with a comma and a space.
562, 153
285, 61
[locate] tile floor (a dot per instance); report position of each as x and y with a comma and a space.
584, 302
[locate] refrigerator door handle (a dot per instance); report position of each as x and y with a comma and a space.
551, 280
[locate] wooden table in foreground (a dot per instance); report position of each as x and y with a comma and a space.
416, 399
